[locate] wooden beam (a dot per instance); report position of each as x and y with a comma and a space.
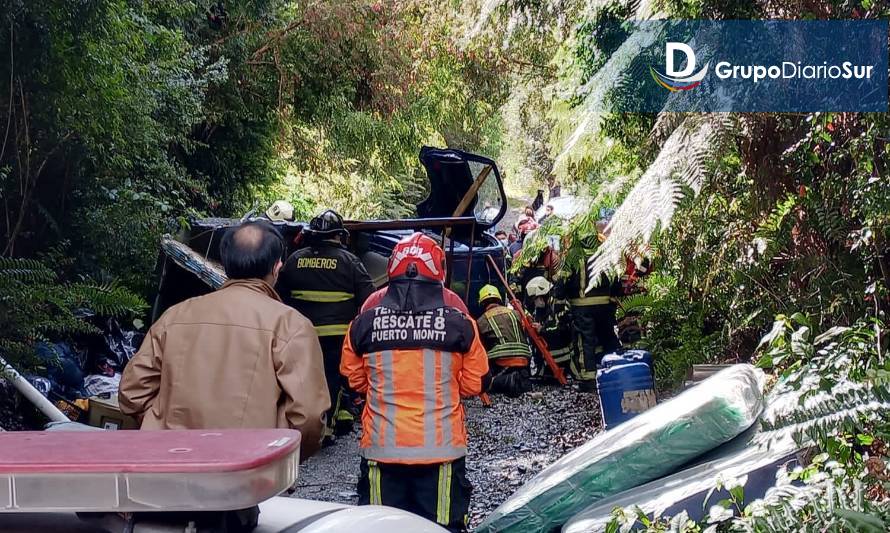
471, 192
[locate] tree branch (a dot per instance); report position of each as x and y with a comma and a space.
11, 86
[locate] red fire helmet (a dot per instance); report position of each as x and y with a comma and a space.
417, 255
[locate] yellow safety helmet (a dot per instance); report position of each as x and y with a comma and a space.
489, 292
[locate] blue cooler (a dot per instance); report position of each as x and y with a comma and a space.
625, 390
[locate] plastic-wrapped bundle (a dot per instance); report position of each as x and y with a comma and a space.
689, 489
644, 448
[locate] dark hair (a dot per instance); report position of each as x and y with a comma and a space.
500, 232
251, 250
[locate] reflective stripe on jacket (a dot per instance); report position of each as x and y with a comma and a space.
557, 330
502, 334
413, 369
575, 289
326, 283
564, 354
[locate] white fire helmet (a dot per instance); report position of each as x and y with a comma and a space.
280, 210
538, 286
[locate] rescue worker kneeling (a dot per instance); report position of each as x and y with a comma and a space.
414, 357
553, 320
509, 352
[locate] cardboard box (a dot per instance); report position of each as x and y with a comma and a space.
105, 414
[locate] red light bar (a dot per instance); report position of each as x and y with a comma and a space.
125, 471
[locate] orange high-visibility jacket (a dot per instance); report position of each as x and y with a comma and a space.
413, 368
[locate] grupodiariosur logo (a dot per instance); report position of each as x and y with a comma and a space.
679, 80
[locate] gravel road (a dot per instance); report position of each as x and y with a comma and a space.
510, 442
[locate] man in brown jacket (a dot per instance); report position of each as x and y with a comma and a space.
235, 358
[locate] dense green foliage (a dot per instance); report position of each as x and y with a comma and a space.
124, 115
764, 215
123, 120
46, 310
767, 214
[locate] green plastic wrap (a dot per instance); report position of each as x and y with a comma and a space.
644, 448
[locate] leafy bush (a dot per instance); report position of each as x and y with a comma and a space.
35, 305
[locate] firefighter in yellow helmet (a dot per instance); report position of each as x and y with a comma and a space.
509, 352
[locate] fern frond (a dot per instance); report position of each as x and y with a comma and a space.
637, 302
26, 270
681, 167
773, 223
107, 299
665, 124
815, 414
15, 350
35, 307
827, 502
659, 284
831, 392
62, 325
611, 76
831, 222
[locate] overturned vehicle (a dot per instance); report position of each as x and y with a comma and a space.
466, 199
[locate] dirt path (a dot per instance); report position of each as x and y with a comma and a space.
510, 442
515, 207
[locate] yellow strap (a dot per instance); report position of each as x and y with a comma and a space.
375, 494
515, 323
331, 330
439, 494
494, 327
443, 507
448, 495
591, 300
322, 296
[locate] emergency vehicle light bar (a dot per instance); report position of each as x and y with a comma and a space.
127, 471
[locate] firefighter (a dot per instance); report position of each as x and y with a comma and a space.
593, 315
508, 348
547, 265
414, 358
328, 284
553, 320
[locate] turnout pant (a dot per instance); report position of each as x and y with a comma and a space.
438, 492
511, 380
331, 346
564, 351
595, 325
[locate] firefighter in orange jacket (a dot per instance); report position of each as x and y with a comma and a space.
414, 358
